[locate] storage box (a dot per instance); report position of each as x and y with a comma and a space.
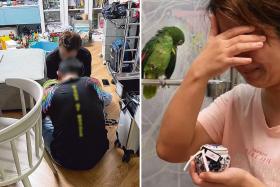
46, 46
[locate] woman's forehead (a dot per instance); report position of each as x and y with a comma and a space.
224, 23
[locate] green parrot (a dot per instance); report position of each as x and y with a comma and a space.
159, 57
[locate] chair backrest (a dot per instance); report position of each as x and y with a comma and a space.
29, 119
28, 128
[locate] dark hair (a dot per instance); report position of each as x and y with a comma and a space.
259, 13
71, 65
70, 41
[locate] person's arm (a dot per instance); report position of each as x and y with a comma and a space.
180, 134
52, 65
105, 97
49, 88
87, 63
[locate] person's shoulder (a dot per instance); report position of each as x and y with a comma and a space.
49, 83
53, 55
84, 51
244, 90
240, 93
84, 55
91, 81
244, 94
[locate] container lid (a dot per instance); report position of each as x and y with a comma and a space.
215, 147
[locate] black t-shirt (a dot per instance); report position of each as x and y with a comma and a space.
80, 137
53, 60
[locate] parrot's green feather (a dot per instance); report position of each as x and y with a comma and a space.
171, 66
176, 34
159, 56
147, 51
149, 91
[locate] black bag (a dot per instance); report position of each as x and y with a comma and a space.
114, 10
116, 52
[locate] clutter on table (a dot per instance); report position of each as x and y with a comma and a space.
26, 40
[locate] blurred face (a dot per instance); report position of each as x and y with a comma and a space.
264, 71
64, 54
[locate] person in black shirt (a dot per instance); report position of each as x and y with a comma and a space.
70, 46
74, 129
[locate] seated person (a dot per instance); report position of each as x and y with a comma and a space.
70, 46
74, 129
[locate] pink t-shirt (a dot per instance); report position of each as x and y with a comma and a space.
236, 120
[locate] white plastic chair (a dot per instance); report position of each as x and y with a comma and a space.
21, 142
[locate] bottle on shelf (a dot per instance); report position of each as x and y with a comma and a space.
36, 36
25, 42
3, 44
9, 2
12, 35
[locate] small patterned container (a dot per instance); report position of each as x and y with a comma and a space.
214, 158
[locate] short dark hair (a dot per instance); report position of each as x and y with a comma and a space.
71, 65
70, 41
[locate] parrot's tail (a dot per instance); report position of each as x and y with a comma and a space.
149, 91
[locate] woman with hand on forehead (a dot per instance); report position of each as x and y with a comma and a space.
245, 35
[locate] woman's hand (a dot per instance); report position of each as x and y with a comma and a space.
231, 177
221, 50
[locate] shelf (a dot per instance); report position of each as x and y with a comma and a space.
53, 22
97, 8
52, 10
18, 6
76, 9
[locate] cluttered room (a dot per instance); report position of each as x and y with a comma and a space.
69, 93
